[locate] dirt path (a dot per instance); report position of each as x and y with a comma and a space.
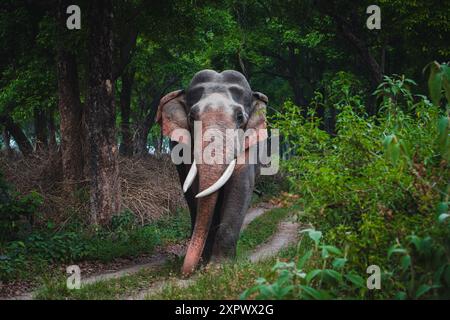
255, 212
155, 261
286, 235
158, 286
158, 260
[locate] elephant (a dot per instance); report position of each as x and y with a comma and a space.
218, 194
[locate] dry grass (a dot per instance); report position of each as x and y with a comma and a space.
150, 186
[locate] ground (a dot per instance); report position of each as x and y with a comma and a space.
267, 232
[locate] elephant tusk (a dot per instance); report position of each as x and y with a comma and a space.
190, 177
219, 183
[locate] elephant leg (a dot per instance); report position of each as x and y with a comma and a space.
237, 195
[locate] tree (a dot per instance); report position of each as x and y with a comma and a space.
70, 109
103, 166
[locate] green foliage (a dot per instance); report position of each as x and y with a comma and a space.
438, 81
124, 238
16, 211
377, 180
422, 270
423, 267
320, 273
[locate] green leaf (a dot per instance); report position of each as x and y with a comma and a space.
336, 276
312, 274
304, 259
443, 125
339, 263
442, 207
443, 131
424, 288
435, 82
446, 80
395, 153
401, 295
396, 249
392, 148
443, 217
312, 293
407, 148
405, 261
314, 235
333, 249
356, 279
325, 254
387, 141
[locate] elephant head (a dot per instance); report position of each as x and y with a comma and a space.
221, 103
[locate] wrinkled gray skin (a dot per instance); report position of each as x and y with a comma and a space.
233, 199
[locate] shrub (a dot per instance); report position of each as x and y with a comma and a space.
16, 211
377, 180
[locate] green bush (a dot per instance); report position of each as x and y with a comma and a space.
323, 271
378, 179
16, 211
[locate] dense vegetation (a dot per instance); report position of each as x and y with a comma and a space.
378, 193
363, 116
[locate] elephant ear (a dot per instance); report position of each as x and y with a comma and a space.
256, 129
172, 116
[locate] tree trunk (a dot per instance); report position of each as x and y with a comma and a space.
52, 145
140, 143
70, 110
7, 141
149, 114
70, 120
17, 134
105, 197
293, 65
40, 128
299, 98
375, 70
349, 32
126, 147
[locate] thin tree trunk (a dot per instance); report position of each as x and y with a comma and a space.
126, 147
348, 31
105, 197
7, 142
40, 128
375, 71
17, 134
299, 98
52, 145
70, 109
140, 144
293, 69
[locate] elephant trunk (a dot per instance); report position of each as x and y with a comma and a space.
212, 175
208, 175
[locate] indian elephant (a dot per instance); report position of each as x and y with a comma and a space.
218, 193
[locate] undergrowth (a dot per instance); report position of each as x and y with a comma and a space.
49, 247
